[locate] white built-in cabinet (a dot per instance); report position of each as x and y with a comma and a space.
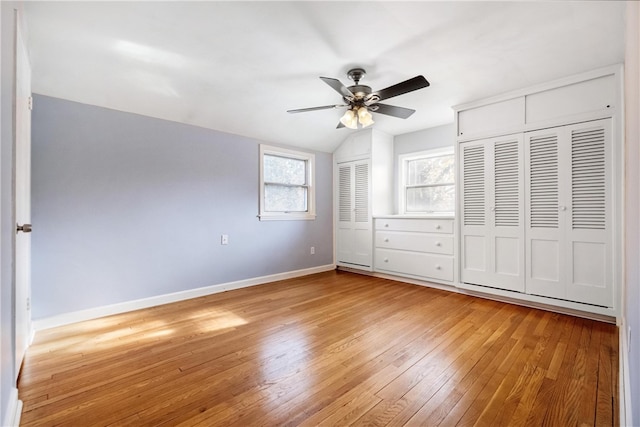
363, 181
419, 248
539, 201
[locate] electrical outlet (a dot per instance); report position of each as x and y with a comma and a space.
224, 239
313, 250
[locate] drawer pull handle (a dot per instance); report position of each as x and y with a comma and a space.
438, 244
438, 227
386, 225
438, 267
386, 260
386, 240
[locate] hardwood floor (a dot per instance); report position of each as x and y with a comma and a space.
333, 349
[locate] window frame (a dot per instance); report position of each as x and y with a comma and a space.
309, 158
403, 161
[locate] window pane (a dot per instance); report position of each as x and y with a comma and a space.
279, 198
431, 199
285, 170
431, 170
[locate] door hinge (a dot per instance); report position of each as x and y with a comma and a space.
30, 103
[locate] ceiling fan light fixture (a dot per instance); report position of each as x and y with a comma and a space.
364, 117
349, 119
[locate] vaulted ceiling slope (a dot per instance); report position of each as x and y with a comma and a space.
238, 66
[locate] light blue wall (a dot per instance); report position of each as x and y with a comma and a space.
427, 139
127, 207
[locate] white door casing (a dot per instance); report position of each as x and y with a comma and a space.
22, 202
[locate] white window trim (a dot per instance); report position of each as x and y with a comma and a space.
403, 159
310, 158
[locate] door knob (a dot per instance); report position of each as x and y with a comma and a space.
26, 228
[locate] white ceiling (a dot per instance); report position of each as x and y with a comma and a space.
238, 66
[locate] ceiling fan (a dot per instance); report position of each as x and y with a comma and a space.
361, 101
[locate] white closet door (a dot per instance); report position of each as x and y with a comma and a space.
344, 230
546, 211
492, 213
590, 209
354, 238
474, 225
569, 211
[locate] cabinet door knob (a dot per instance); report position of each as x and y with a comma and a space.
438, 267
563, 208
386, 240
438, 244
386, 260
386, 225
438, 227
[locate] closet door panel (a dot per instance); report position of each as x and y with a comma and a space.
475, 228
590, 203
507, 213
545, 213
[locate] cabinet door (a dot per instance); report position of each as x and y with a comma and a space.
569, 208
354, 243
492, 213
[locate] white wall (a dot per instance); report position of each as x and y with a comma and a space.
631, 291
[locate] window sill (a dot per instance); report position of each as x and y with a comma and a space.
287, 217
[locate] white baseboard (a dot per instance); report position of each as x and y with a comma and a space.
14, 410
626, 416
108, 310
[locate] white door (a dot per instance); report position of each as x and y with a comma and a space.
589, 213
22, 205
492, 212
354, 234
569, 213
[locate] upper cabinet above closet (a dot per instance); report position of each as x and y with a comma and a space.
589, 96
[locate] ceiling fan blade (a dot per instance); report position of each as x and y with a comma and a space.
324, 107
392, 110
338, 86
418, 82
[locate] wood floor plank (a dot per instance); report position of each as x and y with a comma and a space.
331, 349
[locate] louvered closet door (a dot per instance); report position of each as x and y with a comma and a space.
589, 213
569, 213
354, 218
492, 213
545, 157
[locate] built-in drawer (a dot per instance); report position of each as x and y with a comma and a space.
422, 225
414, 263
419, 242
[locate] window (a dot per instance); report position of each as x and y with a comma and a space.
286, 184
428, 182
